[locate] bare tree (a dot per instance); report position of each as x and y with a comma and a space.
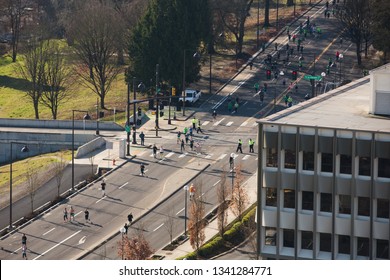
59, 168
56, 78
223, 192
134, 248
170, 223
15, 10
33, 70
233, 15
196, 223
95, 38
32, 183
239, 200
354, 17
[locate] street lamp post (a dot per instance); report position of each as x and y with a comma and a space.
185, 188
134, 113
184, 78
258, 24
122, 231
97, 116
128, 121
23, 150
169, 108
232, 155
156, 94
86, 117
341, 59
323, 75
184, 83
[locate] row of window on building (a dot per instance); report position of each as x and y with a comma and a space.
343, 242
344, 162
382, 205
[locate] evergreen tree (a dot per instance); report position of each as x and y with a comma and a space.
168, 28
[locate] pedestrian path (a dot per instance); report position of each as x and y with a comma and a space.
212, 228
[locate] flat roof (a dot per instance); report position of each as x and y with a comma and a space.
346, 107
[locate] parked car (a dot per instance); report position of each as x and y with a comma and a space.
192, 96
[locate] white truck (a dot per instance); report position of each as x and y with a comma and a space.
192, 96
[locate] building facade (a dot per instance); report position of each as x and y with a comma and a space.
324, 178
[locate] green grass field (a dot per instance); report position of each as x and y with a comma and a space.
14, 103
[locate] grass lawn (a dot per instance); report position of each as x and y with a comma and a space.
14, 103
39, 163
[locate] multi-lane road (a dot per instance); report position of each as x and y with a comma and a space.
158, 198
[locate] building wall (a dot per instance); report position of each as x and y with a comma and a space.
324, 193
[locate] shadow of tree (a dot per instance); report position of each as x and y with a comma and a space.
15, 83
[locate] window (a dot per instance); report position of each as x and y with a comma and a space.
307, 240
384, 167
365, 166
272, 157
362, 246
270, 236
326, 162
345, 164
382, 249
308, 161
382, 210
363, 206
326, 202
344, 204
289, 159
307, 200
271, 197
344, 244
325, 242
288, 238
289, 198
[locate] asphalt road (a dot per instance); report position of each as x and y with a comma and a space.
51, 238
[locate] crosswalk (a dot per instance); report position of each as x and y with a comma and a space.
210, 156
222, 122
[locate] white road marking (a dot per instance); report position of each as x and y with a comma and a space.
48, 231
170, 154
209, 156
183, 155
245, 157
229, 123
78, 213
216, 183
222, 156
218, 122
158, 227
100, 199
55, 246
181, 210
205, 123
244, 123
123, 185
82, 240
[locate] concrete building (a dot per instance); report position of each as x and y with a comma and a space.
324, 175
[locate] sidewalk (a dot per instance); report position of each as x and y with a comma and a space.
212, 228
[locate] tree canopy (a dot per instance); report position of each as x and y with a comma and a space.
169, 30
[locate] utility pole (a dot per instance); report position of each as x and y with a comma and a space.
157, 105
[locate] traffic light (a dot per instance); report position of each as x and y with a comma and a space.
173, 91
268, 74
327, 70
294, 75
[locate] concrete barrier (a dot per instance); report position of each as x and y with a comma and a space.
90, 147
59, 124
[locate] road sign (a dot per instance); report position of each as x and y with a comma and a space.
309, 77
